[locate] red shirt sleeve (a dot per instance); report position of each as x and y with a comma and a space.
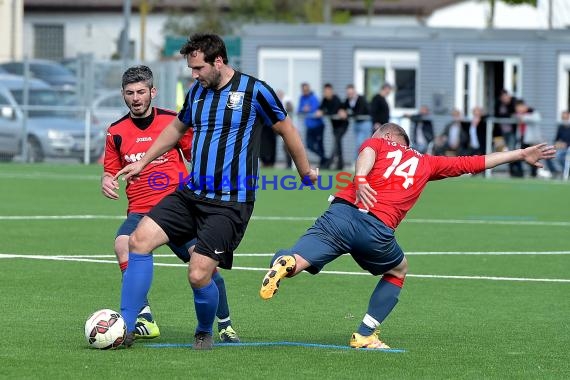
112, 161
185, 144
445, 167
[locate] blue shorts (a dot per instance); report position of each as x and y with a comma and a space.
344, 229
130, 224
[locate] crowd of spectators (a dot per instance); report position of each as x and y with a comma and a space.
515, 124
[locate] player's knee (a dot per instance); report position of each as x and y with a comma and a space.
139, 243
122, 247
198, 277
400, 270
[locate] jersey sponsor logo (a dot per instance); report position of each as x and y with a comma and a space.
235, 100
134, 157
143, 139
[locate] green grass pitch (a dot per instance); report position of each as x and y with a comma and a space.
461, 315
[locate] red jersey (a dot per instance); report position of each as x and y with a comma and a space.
400, 174
127, 143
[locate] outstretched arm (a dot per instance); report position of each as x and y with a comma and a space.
532, 155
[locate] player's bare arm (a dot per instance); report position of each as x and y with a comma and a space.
364, 163
292, 140
532, 155
165, 141
109, 185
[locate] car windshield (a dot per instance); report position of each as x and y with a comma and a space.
45, 97
50, 70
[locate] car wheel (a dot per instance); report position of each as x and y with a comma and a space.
35, 152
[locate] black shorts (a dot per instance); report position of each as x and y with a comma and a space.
218, 228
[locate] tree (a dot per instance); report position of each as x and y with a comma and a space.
207, 18
491, 19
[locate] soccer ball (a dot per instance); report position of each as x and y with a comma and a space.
105, 329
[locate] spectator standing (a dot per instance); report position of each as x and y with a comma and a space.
476, 130
561, 143
505, 108
357, 108
422, 130
315, 127
333, 108
288, 105
379, 108
528, 127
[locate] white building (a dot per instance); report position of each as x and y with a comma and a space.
64, 28
11, 17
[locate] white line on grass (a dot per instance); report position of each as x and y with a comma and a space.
270, 254
304, 219
434, 276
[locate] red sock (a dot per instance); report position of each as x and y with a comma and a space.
399, 282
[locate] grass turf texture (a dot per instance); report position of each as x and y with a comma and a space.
450, 328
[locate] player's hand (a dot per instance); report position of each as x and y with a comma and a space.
130, 172
365, 194
534, 153
311, 177
109, 185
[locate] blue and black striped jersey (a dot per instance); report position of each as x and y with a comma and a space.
227, 129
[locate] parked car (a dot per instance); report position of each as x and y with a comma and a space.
51, 132
109, 107
53, 73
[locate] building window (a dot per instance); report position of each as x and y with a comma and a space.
398, 68
286, 69
405, 81
48, 41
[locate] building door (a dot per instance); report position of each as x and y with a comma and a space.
479, 80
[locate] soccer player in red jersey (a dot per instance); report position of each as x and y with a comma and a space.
361, 220
127, 141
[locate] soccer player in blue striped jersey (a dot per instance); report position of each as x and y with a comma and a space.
226, 110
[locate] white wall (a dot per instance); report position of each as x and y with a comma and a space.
474, 13
98, 33
11, 14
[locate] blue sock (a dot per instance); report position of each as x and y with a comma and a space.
206, 305
136, 284
223, 312
384, 298
123, 269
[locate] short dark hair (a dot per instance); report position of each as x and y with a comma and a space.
211, 45
395, 129
328, 85
137, 74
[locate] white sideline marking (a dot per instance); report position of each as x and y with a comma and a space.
270, 254
450, 277
305, 218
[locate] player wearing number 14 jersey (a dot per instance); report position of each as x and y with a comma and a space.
361, 219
